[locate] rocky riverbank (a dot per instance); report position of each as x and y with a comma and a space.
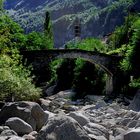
58, 118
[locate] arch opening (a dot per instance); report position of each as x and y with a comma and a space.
109, 81
106, 70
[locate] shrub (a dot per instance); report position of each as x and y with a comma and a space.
89, 44
15, 81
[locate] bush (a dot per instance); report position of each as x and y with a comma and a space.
89, 44
15, 81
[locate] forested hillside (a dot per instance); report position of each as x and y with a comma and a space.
98, 18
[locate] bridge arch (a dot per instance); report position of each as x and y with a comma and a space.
40, 57
84, 57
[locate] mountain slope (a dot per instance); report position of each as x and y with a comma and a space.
97, 17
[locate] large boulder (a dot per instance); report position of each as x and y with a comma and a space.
135, 104
30, 112
62, 128
19, 126
8, 134
45, 104
49, 91
132, 135
79, 117
67, 94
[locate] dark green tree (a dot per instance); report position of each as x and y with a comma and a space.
48, 32
1, 5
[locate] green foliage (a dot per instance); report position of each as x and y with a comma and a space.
48, 34
125, 41
1, 5
15, 81
12, 36
88, 79
35, 41
87, 10
130, 61
119, 51
54, 65
62, 74
120, 3
79, 74
9, 32
121, 35
89, 44
135, 83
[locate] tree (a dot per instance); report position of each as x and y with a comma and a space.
10, 33
48, 34
1, 5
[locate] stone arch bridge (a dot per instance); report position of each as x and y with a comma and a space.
108, 63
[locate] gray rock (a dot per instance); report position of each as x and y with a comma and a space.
49, 114
125, 122
67, 94
49, 91
34, 134
30, 112
45, 104
16, 138
79, 117
111, 137
69, 108
135, 104
93, 137
119, 137
29, 137
8, 133
19, 126
11, 138
131, 114
138, 124
118, 131
96, 129
132, 124
132, 135
100, 104
3, 137
94, 98
2, 128
62, 128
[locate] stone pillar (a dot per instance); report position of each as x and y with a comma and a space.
109, 85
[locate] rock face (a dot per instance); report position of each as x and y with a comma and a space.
62, 128
30, 112
18, 125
